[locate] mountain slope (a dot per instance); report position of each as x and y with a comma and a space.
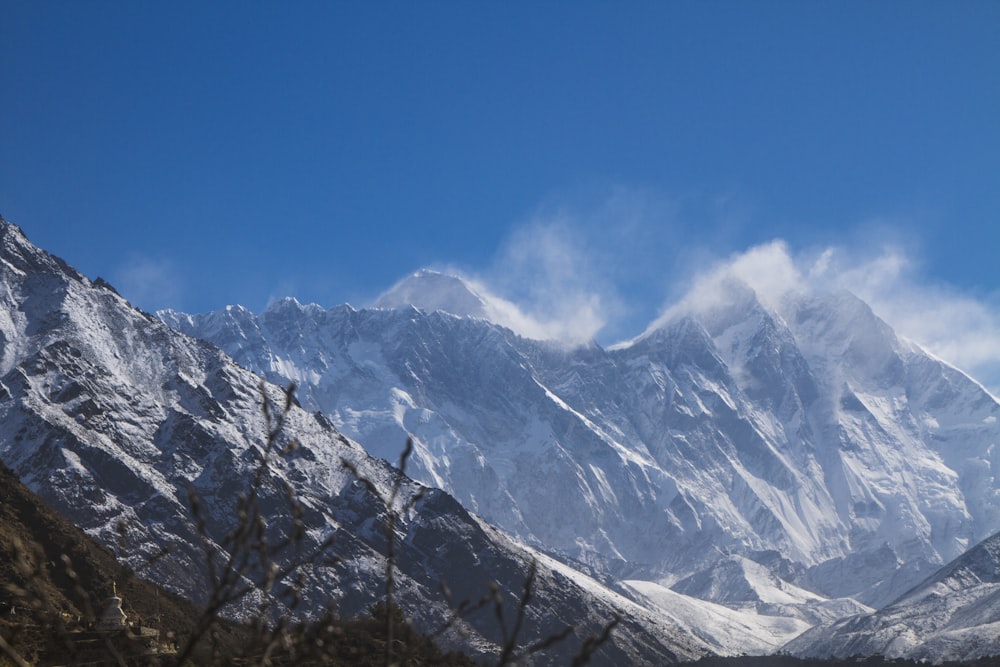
115, 419
954, 614
804, 435
34, 535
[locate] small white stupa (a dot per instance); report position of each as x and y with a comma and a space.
112, 618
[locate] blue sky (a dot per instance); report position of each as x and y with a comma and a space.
202, 154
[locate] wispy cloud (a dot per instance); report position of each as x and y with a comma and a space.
544, 269
569, 267
768, 268
959, 327
149, 283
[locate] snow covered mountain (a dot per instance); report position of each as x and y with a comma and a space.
953, 615
430, 290
111, 417
737, 449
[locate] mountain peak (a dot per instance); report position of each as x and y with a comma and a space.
13, 242
21, 255
715, 305
432, 290
288, 306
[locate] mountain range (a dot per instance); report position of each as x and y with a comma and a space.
149, 440
790, 456
751, 470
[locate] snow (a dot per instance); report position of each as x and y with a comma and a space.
430, 291
727, 631
111, 417
802, 427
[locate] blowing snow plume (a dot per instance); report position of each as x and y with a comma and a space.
956, 327
452, 293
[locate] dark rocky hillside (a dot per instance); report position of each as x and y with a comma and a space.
54, 578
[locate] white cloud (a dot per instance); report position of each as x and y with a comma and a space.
568, 266
148, 283
545, 269
958, 327
961, 328
572, 322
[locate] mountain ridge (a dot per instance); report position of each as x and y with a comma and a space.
951, 615
776, 398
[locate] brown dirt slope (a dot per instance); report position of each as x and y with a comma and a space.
54, 579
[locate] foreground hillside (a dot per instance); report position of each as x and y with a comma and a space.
54, 579
39, 549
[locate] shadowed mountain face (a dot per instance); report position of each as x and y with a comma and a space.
804, 436
35, 542
117, 421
